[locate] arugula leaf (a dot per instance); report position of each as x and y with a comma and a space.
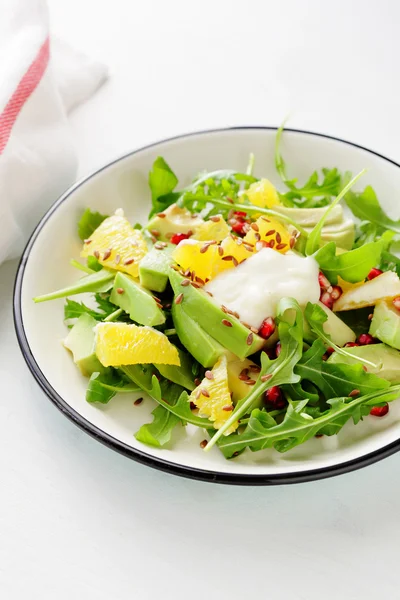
290, 327
365, 206
103, 386
316, 318
336, 379
93, 263
89, 221
358, 319
158, 433
73, 310
352, 266
96, 282
390, 262
298, 426
314, 238
162, 181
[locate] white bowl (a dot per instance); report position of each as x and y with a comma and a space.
123, 183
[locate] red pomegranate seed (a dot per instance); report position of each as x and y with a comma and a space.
365, 339
396, 302
330, 350
239, 227
326, 299
351, 345
336, 292
278, 349
374, 273
274, 396
270, 352
324, 283
178, 237
240, 213
267, 328
380, 411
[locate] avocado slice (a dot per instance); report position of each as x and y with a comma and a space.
136, 301
385, 324
81, 342
174, 220
339, 332
200, 307
182, 375
343, 234
308, 217
386, 359
205, 349
154, 268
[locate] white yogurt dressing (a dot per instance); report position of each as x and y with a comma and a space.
254, 288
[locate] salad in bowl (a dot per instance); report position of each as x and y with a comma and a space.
263, 316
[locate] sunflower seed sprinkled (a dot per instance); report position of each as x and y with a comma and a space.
205, 392
265, 378
203, 444
96, 254
179, 298
117, 259
107, 254
354, 393
270, 232
87, 241
204, 248
209, 375
120, 290
155, 232
129, 261
292, 242
226, 323
278, 237
255, 227
215, 218
281, 246
138, 401
227, 407
249, 339
161, 215
185, 282
250, 382
220, 251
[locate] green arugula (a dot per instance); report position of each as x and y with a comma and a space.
316, 317
352, 266
103, 386
314, 238
89, 221
159, 432
365, 206
390, 262
336, 379
358, 319
273, 372
298, 426
93, 263
96, 282
162, 182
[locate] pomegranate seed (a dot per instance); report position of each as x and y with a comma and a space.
326, 299
240, 213
374, 273
336, 292
396, 302
239, 227
365, 339
270, 352
324, 283
351, 345
278, 349
380, 411
267, 328
178, 237
274, 396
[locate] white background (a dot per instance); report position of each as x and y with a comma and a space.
76, 519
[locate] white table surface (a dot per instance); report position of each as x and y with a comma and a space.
76, 519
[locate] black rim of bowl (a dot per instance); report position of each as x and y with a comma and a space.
135, 453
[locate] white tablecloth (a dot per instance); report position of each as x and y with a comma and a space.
76, 519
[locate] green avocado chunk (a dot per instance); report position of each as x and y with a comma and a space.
343, 234
181, 375
80, 341
386, 359
339, 332
308, 217
385, 324
136, 301
226, 329
154, 268
204, 348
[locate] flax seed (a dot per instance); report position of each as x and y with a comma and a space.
138, 401
107, 254
257, 237
197, 381
236, 314
254, 368
254, 330
96, 254
230, 200
215, 219
168, 306
155, 232
161, 215
179, 298
227, 407
364, 368
209, 293
270, 232
370, 316
226, 323
250, 382
292, 242
239, 241
198, 394
278, 237
200, 280
117, 259
250, 339
271, 244
185, 282
220, 251
203, 444
195, 284
354, 393
158, 246
281, 246
266, 220
204, 248
87, 241
265, 378
129, 261
205, 392
120, 290
255, 227
209, 375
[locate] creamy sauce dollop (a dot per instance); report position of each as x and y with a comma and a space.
254, 288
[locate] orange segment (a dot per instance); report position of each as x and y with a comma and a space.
262, 193
212, 230
271, 231
116, 245
123, 344
197, 256
213, 397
